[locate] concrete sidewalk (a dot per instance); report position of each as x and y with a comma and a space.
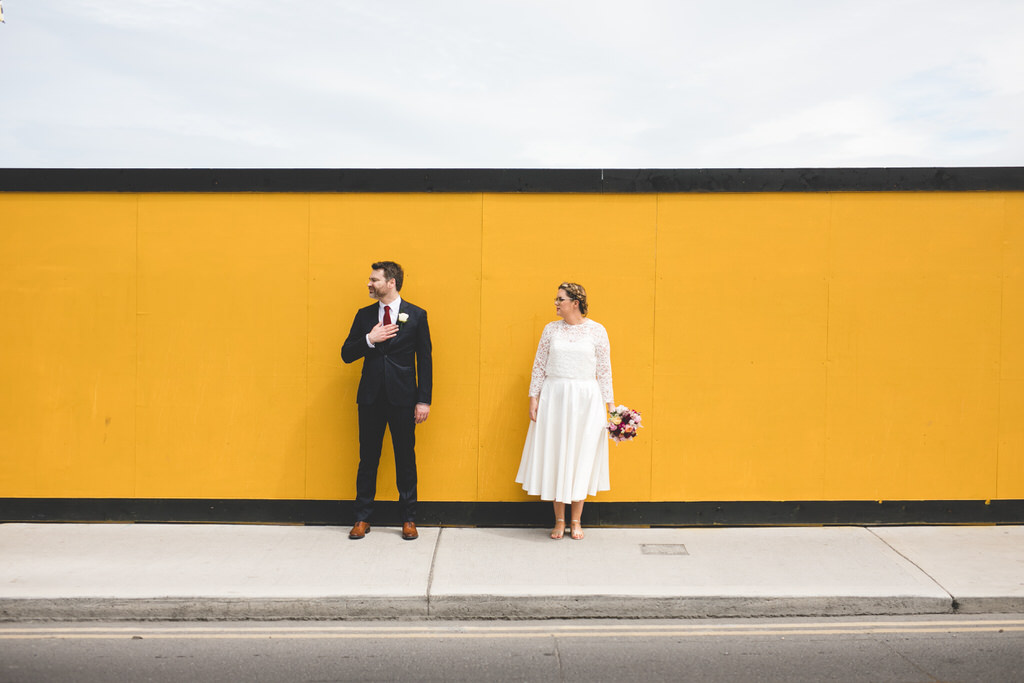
154, 571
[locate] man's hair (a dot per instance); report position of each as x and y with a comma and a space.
392, 271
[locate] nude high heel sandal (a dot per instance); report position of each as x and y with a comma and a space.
558, 532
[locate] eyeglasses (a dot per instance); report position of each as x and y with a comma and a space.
559, 299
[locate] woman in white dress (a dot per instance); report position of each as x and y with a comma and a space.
565, 458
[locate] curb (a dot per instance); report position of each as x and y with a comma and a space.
484, 607
210, 609
678, 607
990, 605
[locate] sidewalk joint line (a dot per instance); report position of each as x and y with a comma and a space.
433, 562
954, 605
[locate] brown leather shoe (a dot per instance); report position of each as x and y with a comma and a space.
359, 530
409, 532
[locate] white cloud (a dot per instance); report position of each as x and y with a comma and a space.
501, 84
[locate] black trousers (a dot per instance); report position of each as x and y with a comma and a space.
373, 418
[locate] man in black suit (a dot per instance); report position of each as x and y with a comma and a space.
393, 339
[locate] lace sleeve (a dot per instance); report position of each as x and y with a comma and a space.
540, 362
604, 363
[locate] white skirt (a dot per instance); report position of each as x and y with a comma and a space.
565, 457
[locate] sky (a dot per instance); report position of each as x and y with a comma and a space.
524, 84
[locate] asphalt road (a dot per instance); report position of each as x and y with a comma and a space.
906, 649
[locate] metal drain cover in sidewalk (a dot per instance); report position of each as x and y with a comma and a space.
663, 549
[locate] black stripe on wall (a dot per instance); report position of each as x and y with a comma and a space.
529, 514
964, 179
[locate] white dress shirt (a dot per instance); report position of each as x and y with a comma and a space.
380, 315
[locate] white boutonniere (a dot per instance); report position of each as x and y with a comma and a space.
403, 318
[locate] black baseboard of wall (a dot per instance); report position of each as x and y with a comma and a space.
514, 180
523, 514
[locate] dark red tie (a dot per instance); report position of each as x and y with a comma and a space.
387, 315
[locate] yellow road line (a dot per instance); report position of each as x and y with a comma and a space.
545, 627
434, 627
523, 632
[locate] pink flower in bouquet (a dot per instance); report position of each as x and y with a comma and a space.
623, 423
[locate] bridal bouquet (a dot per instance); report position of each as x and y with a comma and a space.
623, 423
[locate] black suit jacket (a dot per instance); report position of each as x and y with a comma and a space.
401, 366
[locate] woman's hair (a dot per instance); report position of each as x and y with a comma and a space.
577, 294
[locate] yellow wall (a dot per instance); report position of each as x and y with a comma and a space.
781, 346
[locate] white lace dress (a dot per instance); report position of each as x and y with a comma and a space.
566, 453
